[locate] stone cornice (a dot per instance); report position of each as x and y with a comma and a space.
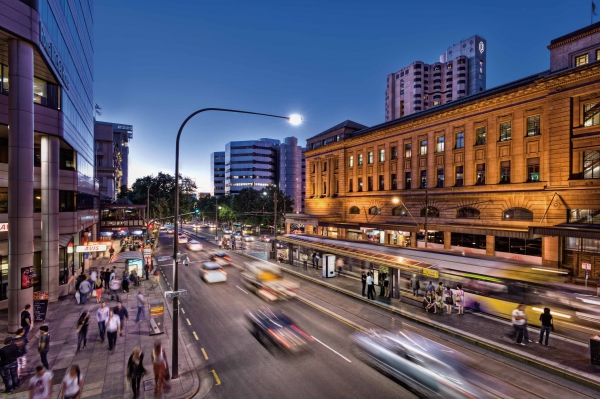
573, 38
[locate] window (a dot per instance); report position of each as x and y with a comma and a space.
533, 125
440, 178
399, 211
324, 188
480, 173
66, 201
67, 159
517, 214
350, 188
460, 140
324, 141
533, 169
354, 210
430, 211
505, 131
407, 180
505, 172
407, 150
459, 176
423, 147
591, 114
394, 152
439, 147
370, 157
381, 183
467, 212
423, 179
374, 210
325, 166
394, 182
360, 184
591, 165
351, 161
3, 199
314, 167
370, 183
381, 155
581, 60
480, 134
360, 159
584, 216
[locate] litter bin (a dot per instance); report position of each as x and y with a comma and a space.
595, 350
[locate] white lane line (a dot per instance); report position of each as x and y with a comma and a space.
333, 350
241, 289
195, 336
188, 321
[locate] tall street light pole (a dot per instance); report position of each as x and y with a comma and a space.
217, 219
294, 119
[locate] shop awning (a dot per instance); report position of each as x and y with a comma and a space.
575, 231
124, 256
339, 225
64, 240
481, 230
391, 226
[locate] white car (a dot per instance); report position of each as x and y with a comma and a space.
194, 245
247, 238
212, 272
227, 231
182, 239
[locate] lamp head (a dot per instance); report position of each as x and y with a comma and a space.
295, 119
395, 200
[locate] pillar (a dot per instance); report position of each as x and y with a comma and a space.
396, 283
490, 245
413, 240
550, 251
20, 176
447, 239
50, 151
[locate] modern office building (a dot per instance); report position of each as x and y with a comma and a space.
513, 171
290, 170
251, 164
109, 160
460, 72
49, 198
217, 173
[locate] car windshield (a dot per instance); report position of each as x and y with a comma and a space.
214, 267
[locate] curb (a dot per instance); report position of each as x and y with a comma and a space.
485, 344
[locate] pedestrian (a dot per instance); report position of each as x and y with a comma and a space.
141, 302
40, 385
121, 311
439, 295
305, 261
156, 277
317, 258
26, 320
125, 282
460, 299
113, 274
115, 286
113, 326
233, 244
547, 325
101, 317
161, 368
135, 371
102, 275
518, 320
339, 264
415, 285
363, 279
9, 354
84, 290
429, 302
314, 262
111, 251
147, 270
370, 287
98, 289
448, 299
381, 287
107, 274
430, 288
21, 342
133, 277
44, 346
386, 286
93, 275
82, 329
72, 384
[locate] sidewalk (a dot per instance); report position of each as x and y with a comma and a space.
104, 371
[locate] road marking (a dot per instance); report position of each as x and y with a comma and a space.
182, 311
188, 321
204, 353
195, 336
333, 350
241, 289
216, 377
332, 314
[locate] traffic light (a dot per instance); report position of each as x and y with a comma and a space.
197, 211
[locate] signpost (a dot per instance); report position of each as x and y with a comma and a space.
40, 305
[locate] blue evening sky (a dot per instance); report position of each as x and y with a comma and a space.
157, 61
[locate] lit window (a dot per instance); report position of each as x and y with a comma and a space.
351, 161
423, 148
505, 131
480, 135
360, 184
440, 177
591, 165
517, 214
591, 114
407, 150
505, 172
597, 55
533, 169
533, 125
436, 103
460, 140
581, 60
382, 155
440, 144
459, 176
480, 174
423, 179
370, 157
360, 159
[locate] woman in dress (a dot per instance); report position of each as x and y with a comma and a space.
135, 371
460, 299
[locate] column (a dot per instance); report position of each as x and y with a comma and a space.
50, 152
447, 239
395, 283
413, 240
490, 245
20, 176
550, 251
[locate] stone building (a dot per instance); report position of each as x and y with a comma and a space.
513, 171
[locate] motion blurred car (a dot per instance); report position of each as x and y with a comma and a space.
428, 368
212, 272
227, 231
221, 258
170, 230
266, 238
282, 244
182, 239
236, 234
273, 328
194, 245
247, 238
163, 227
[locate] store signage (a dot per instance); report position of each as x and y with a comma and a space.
120, 228
3, 227
431, 273
91, 248
52, 52
40, 305
586, 266
125, 127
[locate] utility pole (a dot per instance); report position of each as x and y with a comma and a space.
426, 214
275, 224
217, 219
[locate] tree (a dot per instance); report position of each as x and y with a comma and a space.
124, 192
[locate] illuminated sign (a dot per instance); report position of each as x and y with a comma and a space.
91, 248
3, 227
481, 47
431, 273
52, 52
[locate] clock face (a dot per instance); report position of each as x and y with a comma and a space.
481, 47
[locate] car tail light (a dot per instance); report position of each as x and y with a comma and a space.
303, 333
279, 338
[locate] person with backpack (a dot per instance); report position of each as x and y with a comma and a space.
448, 299
72, 384
82, 329
8, 365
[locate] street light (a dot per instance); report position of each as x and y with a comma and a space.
294, 119
217, 207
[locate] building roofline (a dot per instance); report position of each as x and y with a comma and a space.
343, 124
578, 34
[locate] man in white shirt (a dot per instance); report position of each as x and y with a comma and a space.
370, 287
519, 318
101, 316
113, 326
40, 385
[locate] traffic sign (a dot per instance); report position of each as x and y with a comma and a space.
586, 266
173, 294
164, 257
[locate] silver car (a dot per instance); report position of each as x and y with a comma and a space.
247, 238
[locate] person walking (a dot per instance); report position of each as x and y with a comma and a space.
141, 303
135, 371
460, 299
98, 289
21, 342
317, 258
121, 311
115, 286
26, 320
314, 262
386, 285
72, 384
381, 287
107, 274
44, 346
160, 366
363, 279
415, 285
82, 330
101, 317
40, 385
370, 287
233, 243
305, 261
448, 299
84, 290
518, 320
111, 251
156, 278
547, 325
9, 354
125, 282
113, 326
147, 270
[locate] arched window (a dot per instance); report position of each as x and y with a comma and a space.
374, 210
467, 212
517, 214
431, 212
399, 211
354, 210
